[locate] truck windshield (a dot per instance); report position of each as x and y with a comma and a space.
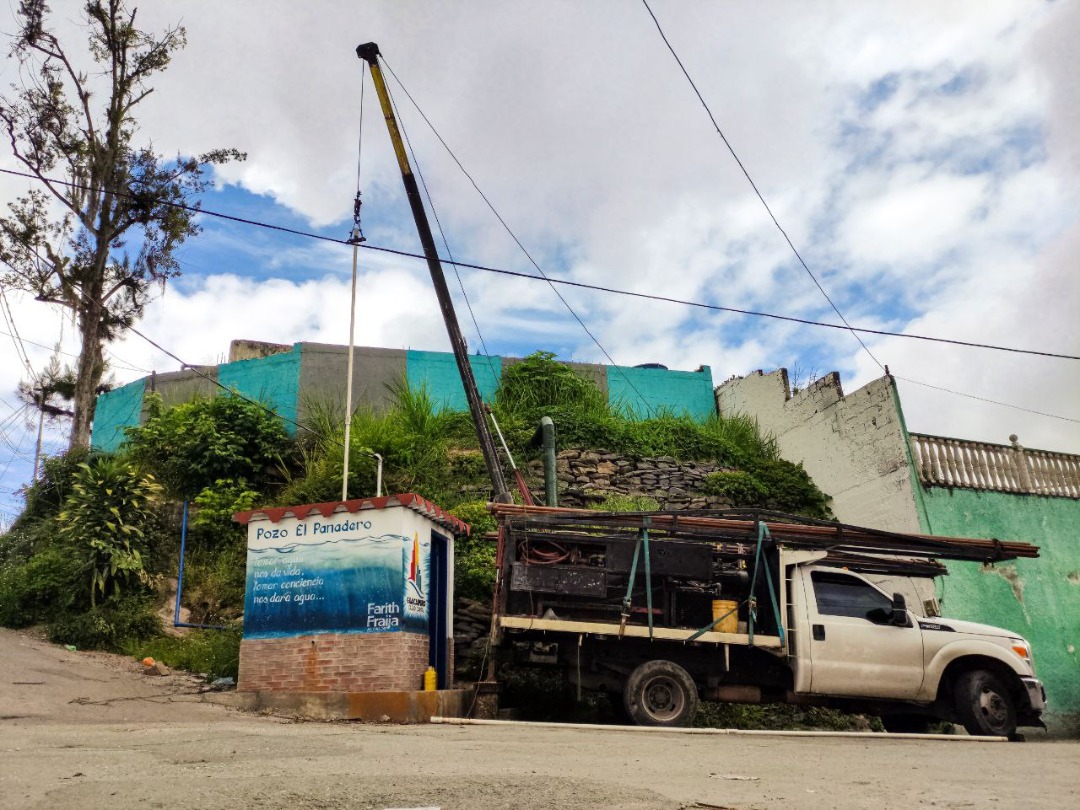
842, 595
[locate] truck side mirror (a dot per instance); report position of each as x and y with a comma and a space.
899, 611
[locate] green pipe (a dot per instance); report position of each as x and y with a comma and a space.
551, 481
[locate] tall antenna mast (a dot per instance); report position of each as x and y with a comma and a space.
369, 52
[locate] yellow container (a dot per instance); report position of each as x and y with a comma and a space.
431, 679
730, 622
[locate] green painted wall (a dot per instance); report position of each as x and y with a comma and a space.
438, 371
116, 410
273, 380
677, 391
1039, 599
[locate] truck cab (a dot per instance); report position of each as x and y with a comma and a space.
851, 640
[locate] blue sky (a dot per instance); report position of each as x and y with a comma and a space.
923, 157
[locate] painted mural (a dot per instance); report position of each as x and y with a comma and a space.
340, 574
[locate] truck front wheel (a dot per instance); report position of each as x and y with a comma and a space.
984, 705
660, 693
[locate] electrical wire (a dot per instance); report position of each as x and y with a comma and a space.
126, 364
990, 401
753, 185
646, 296
599, 288
518, 242
442, 233
20, 349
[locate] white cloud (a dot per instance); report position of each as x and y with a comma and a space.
922, 156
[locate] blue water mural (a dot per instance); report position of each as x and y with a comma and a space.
342, 585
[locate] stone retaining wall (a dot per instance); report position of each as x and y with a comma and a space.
588, 476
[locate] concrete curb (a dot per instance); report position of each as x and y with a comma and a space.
861, 735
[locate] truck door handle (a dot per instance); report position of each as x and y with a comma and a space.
819, 632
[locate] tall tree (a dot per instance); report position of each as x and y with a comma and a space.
67, 242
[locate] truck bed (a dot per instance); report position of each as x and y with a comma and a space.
633, 631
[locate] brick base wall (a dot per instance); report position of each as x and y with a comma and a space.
349, 662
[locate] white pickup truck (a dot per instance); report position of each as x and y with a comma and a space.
808, 631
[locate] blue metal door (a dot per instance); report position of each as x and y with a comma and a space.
439, 609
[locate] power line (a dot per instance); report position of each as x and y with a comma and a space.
438, 223
552, 281
990, 401
125, 365
518, 242
753, 185
598, 288
9, 319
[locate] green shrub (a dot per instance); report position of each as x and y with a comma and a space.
737, 487
108, 626
188, 447
215, 582
42, 587
790, 488
103, 521
770, 484
474, 568
539, 382
45, 497
628, 503
213, 653
476, 514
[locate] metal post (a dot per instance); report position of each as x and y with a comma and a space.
551, 478
349, 374
180, 571
369, 52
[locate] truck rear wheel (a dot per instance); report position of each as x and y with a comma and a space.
660, 693
984, 705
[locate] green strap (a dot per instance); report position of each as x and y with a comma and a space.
763, 532
646, 521
643, 539
712, 624
751, 602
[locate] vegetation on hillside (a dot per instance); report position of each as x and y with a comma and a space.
91, 554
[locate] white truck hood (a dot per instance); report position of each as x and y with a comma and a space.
972, 628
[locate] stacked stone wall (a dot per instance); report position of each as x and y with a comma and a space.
586, 477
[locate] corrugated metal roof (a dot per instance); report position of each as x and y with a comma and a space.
409, 500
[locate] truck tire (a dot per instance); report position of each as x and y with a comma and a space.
984, 705
906, 723
660, 693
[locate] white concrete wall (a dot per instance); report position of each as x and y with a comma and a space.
852, 446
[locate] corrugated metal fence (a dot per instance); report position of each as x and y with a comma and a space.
944, 462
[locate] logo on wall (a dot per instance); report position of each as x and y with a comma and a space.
416, 576
417, 562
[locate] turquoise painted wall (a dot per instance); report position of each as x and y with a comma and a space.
438, 371
273, 381
677, 391
1039, 599
116, 410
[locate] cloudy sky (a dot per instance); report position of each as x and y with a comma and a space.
924, 158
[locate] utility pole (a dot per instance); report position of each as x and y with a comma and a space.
369, 52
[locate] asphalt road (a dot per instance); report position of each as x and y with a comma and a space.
88, 731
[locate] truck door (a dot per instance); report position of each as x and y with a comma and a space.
855, 649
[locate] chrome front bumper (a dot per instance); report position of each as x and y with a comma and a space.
1036, 694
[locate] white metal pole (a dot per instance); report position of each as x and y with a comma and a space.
349, 373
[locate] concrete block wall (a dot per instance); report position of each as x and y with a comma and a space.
854, 446
292, 379
334, 662
1036, 598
